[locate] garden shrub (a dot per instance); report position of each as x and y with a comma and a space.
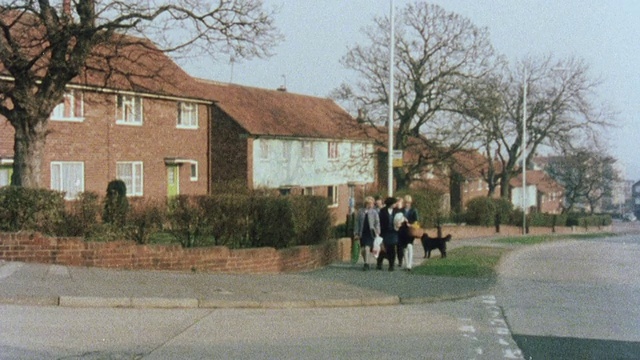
31, 209
428, 204
185, 217
312, 221
487, 211
272, 222
116, 204
226, 219
82, 216
145, 218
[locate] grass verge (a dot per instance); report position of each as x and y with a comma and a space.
537, 239
481, 261
467, 261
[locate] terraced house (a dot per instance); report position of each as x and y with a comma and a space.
297, 144
143, 120
134, 120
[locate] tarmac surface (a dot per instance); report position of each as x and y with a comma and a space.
337, 285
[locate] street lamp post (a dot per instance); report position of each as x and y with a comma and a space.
524, 152
390, 122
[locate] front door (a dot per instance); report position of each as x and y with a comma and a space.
173, 180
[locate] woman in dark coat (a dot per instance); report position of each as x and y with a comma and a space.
367, 227
389, 232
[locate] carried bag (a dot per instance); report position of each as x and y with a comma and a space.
377, 246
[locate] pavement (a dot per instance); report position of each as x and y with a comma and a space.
337, 285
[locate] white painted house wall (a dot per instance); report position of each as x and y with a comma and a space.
280, 163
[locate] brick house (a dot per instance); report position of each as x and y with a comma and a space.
165, 133
459, 179
137, 120
544, 194
298, 144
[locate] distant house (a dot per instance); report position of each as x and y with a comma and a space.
543, 194
459, 179
297, 144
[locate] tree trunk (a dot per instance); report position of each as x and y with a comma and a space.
29, 145
504, 185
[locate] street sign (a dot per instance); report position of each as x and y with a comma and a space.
397, 158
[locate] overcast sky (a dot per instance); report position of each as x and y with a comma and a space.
605, 33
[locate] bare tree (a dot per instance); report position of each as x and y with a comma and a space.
437, 52
44, 46
587, 174
561, 110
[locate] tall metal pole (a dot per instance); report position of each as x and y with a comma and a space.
524, 152
391, 88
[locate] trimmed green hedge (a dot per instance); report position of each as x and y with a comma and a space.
31, 209
240, 220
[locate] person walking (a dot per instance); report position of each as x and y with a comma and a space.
367, 228
405, 239
389, 225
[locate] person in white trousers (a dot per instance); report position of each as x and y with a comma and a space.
411, 216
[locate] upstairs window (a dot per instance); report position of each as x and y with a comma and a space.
333, 151
129, 110
187, 115
307, 150
286, 151
71, 108
264, 150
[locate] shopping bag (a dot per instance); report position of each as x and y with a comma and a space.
377, 244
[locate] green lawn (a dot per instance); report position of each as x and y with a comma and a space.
468, 261
481, 261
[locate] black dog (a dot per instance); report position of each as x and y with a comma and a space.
440, 243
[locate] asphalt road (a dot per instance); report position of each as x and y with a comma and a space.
561, 300
574, 300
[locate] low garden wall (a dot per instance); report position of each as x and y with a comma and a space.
129, 255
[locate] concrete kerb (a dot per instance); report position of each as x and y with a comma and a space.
192, 303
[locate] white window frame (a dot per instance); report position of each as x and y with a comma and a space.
286, 151
60, 182
307, 190
333, 152
264, 150
71, 108
307, 150
193, 170
356, 149
187, 115
129, 110
135, 184
332, 195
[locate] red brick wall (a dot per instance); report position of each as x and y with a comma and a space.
230, 153
6, 139
128, 255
